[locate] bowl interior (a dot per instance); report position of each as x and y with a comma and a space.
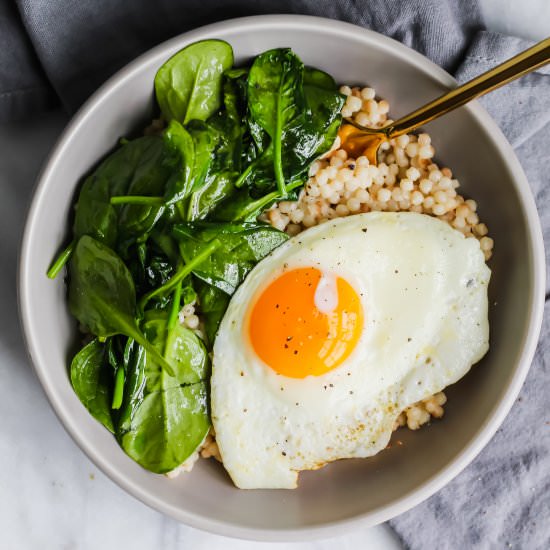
400, 476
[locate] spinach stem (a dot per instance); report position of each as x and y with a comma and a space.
175, 309
244, 175
61, 260
277, 157
172, 318
118, 391
181, 273
138, 199
256, 205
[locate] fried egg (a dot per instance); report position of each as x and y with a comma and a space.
336, 332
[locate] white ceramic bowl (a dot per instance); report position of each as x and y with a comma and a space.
348, 492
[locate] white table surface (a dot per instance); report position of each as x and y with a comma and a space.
51, 495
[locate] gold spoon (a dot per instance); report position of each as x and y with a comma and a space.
358, 140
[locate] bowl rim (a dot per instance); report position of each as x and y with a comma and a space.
496, 416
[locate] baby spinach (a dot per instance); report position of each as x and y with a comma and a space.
188, 85
167, 427
102, 295
92, 382
213, 303
136, 167
171, 219
242, 245
166, 417
275, 99
192, 149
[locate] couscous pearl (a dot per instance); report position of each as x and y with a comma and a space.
463, 211
337, 185
313, 190
428, 202
371, 108
336, 161
187, 310
296, 216
331, 172
440, 197
352, 184
412, 149
447, 172
192, 321
362, 195
481, 229
334, 198
353, 103
383, 107
402, 141
425, 186
404, 204
417, 198
438, 209
342, 210
413, 174
286, 206
406, 185
445, 183
341, 153
362, 119
353, 204
362, 161
344, 175
326, 191
346, 113
435, 176
397, 194
384, 195
473, 218
293, 229
459, 222
426, 152
424, 139
486, 244
345, 90
322, 177
368, 93
471, 204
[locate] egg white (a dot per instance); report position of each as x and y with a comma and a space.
423, 288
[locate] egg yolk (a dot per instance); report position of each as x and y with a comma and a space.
305, 323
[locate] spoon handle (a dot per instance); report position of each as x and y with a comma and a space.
517, 66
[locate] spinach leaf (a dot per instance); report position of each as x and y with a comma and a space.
216, 190
165, 418
102, 295
276, 99
213, 303
134, 166
192, 149
242, 246
188, 85
95, 216
149, 178
182, 347
167, 427
313, 133
92, 382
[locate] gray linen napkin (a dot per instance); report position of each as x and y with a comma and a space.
502, 499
